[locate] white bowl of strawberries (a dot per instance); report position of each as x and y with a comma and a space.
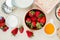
35, 19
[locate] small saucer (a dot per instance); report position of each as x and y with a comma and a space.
12, 21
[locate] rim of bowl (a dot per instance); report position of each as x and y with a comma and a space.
52, 33
25, 17
10, 16
13, 3
56, 10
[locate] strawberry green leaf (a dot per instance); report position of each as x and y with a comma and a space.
38, 25
41, 15
30, 25
32, 12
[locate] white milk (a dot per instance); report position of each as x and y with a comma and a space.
12, 21
22, 3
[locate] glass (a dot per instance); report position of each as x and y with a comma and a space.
7, 6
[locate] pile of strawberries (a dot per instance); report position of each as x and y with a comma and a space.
3, 26
35, 19
21, 30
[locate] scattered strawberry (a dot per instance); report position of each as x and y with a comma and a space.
5, 28
29, 33
33, 18
34, 24
43, 20
2, 21
21, 29
31, 13
14, 31
28, 20
37, 13
2, 24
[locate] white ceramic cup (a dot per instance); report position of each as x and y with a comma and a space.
49, 35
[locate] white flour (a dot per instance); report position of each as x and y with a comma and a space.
12, 21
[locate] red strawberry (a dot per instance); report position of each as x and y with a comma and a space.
28, 20
34, 24
14, 31
31, 13
43, 20
21, 29
39, 19
29, 33
5, 28
2, 24
58, 13
2, 21
33, 18
37, 13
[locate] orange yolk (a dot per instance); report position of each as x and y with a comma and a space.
49, 28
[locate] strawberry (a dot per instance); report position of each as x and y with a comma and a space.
31, 13
28, 20
2, 21
59, 14
29, 33
33, 18
43, 20
21, 29
39, 19
34, 24
5, 28
14, 31
2, 24
37, 13
38, 25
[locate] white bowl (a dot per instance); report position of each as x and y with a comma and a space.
51, 21
12, 21
22, 3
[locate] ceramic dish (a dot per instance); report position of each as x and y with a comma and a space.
35, 19
57, 12
12, 21
50, 30
22, 3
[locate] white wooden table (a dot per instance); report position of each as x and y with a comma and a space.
38, 35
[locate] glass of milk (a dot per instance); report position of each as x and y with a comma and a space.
7, 6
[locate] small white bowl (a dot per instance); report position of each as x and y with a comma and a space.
51, 21
12, 21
